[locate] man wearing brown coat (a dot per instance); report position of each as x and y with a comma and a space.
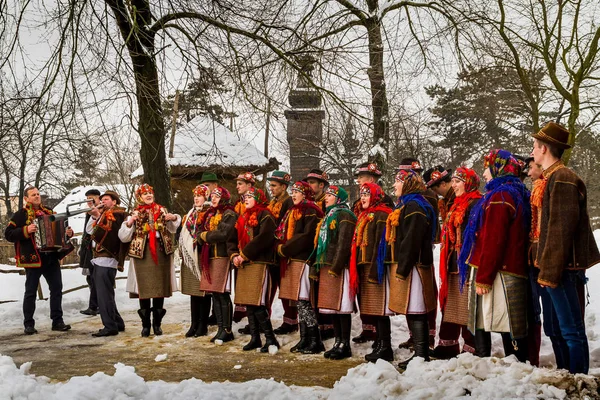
566, 244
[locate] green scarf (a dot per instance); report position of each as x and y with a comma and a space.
325, 233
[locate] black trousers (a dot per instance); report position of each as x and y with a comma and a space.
104, 279
50, 270
93, 303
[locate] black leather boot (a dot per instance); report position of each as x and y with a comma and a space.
343, 350
298, 347
194, 312
419, 326
483, 343
384, 348
144, 314
255, 341
157, 316
203, 313
226, 316
314, 344
217, 314
264, 321
337, 329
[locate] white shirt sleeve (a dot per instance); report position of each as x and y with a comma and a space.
173, 225
89, 228
125, 232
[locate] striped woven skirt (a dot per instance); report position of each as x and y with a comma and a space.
220, 276
252, 284
334, 292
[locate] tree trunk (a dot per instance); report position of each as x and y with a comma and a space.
379, 100
572, 126
151, 127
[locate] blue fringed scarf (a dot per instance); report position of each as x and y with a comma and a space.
508, 185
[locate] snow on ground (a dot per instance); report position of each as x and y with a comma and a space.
466, 375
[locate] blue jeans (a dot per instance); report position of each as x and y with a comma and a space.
562, 308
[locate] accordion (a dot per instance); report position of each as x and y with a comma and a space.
50, 234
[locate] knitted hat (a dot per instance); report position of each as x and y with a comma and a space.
208, 177
468, 176
257, 194
410, 164
340, 193
281, 177
201, 190
318, 175
113, 195
368, 168
502, 163
304, 188
436, 175
247, 177
222, 193
554, 134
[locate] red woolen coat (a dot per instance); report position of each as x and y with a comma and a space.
502, 242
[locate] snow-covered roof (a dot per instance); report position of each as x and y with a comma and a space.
78, 194
203, 142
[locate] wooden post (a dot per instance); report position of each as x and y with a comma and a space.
174, 125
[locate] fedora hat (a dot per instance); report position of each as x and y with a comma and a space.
554, 134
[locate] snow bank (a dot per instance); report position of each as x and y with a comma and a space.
16, 383
466, 375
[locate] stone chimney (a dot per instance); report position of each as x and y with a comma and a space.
304, 123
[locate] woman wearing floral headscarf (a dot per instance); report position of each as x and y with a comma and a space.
334, 239
453, 302
495, 245
367, 267
150, 230
190, 268
296, 236
410, 232
253, 252
218, 229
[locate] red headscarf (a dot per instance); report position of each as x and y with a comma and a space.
451, 239
376, 195
248, 220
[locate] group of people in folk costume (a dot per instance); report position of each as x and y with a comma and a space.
501, 252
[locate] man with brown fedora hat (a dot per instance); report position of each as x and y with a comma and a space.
566, 247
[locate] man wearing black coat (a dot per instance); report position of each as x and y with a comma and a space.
86, 254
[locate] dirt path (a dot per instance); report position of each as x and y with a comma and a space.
61, 356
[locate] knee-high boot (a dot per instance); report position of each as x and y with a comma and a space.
262, 315
194, 312
343, 350
255, 341
203, 313
226, 317
483, 343
218, 316
384, 341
